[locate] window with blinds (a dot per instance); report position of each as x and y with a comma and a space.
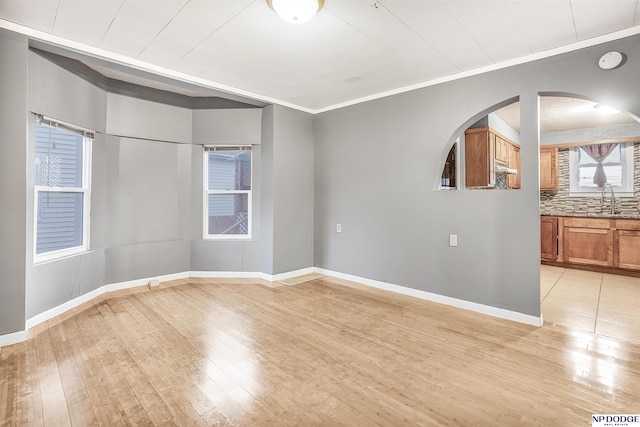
227, 192
62, 161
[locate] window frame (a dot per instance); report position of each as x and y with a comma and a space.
206, 192
87, 148
627, 162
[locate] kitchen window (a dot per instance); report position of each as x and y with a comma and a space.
62, 192
591, 166
227, 192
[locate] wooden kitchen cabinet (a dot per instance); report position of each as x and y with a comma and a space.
482, 147
599, 244
479, 152
549, 238
548, 168
502, 149
513, 181
588, 241
626, 244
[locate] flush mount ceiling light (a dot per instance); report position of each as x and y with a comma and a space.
610, 60
605, 109
296, 11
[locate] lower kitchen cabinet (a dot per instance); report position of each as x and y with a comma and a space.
627, 249
611, 244
627, 244
588, 246
549, 238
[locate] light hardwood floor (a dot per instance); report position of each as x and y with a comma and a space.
606, 304
325, 352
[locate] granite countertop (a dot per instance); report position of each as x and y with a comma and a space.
592, 215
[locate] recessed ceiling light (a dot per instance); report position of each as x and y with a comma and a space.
610, 60
296, 11
605, 109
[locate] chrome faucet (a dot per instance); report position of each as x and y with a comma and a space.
613, 198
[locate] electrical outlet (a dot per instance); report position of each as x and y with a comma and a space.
453, 240
338, 228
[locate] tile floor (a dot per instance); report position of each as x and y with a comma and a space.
606, 304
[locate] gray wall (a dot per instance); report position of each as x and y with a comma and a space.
60, 94
287, 190
13, 160
267, 181
147, 193
146, 208
140, 118
243, 127
293, 191
376, 165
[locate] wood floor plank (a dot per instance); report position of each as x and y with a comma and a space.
8, 385
28, 401
101, 367
54, 404
326, 352
83, 414
66, 345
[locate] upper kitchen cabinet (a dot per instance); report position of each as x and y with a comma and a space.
513, 180
548, 168
479, 154
502, 149
491, 159
492, 150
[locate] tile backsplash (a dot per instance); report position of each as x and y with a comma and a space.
559, 203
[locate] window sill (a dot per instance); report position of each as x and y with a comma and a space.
226, 238
58, 255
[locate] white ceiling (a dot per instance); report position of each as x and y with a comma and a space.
352, 50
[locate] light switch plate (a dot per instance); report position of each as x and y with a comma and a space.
453, 240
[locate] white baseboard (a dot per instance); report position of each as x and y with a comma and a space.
288, 275
55, 311
12, 338
440, 299
142, 282
224, 275
250, 275
16, 337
